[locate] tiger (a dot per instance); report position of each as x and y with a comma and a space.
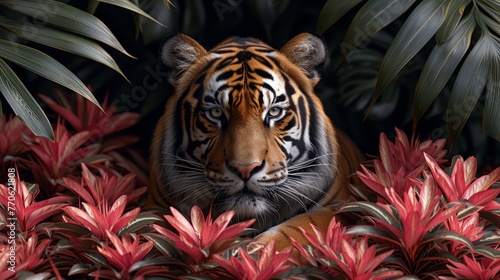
245, 131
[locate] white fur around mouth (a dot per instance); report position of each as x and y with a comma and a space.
246, 204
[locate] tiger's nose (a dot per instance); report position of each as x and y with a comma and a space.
244, 168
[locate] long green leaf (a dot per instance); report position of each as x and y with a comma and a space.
417, 30
491, 119
370, 19
73, 230
164, 246
332, 11
149, 262
371, 231
372, 209
96, 258
80, 268
22, 102
45, 66
92, 6
487, 251
489, 238
450, 23
440, 66
141, 220
489, 15
163, 12
448, 235
126, 4
469, 84
39, 276
62, 40
68, 18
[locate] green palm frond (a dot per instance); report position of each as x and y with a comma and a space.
22, 102
466, 53
59, 26
332, 12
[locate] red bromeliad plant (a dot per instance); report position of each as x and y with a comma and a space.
488, 268
471, 227
463, 185
267, 264
94, 140
122, 257
103, 127
100, 191
205, 244
340, 255
102, 218
428, 217
20, 206
399, 163
202, 238
83, 115
30, 255
59, 158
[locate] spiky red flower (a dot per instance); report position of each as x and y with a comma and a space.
27, 212
485, 269
101, 127
463, 185
85, 116
400, 162
58, 158
102, 218
469, 227
268, 264
327, 246
125, 252
94, 190
201, 238
419, 211
340, 254
28, 255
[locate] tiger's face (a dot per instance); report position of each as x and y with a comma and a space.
244, 130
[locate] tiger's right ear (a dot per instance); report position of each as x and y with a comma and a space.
178, 52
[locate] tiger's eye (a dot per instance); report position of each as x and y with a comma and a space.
216, 112
275, 112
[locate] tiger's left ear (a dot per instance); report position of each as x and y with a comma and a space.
178, 53
308, 51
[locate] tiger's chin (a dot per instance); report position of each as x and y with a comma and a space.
247, 205
250, 206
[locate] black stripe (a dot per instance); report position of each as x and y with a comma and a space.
263, 60
290, 124
264, 74
203, 72
223, 50
268, 87
223, 63
289, 89
208, 99
265, 50
280, 98
225, 75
